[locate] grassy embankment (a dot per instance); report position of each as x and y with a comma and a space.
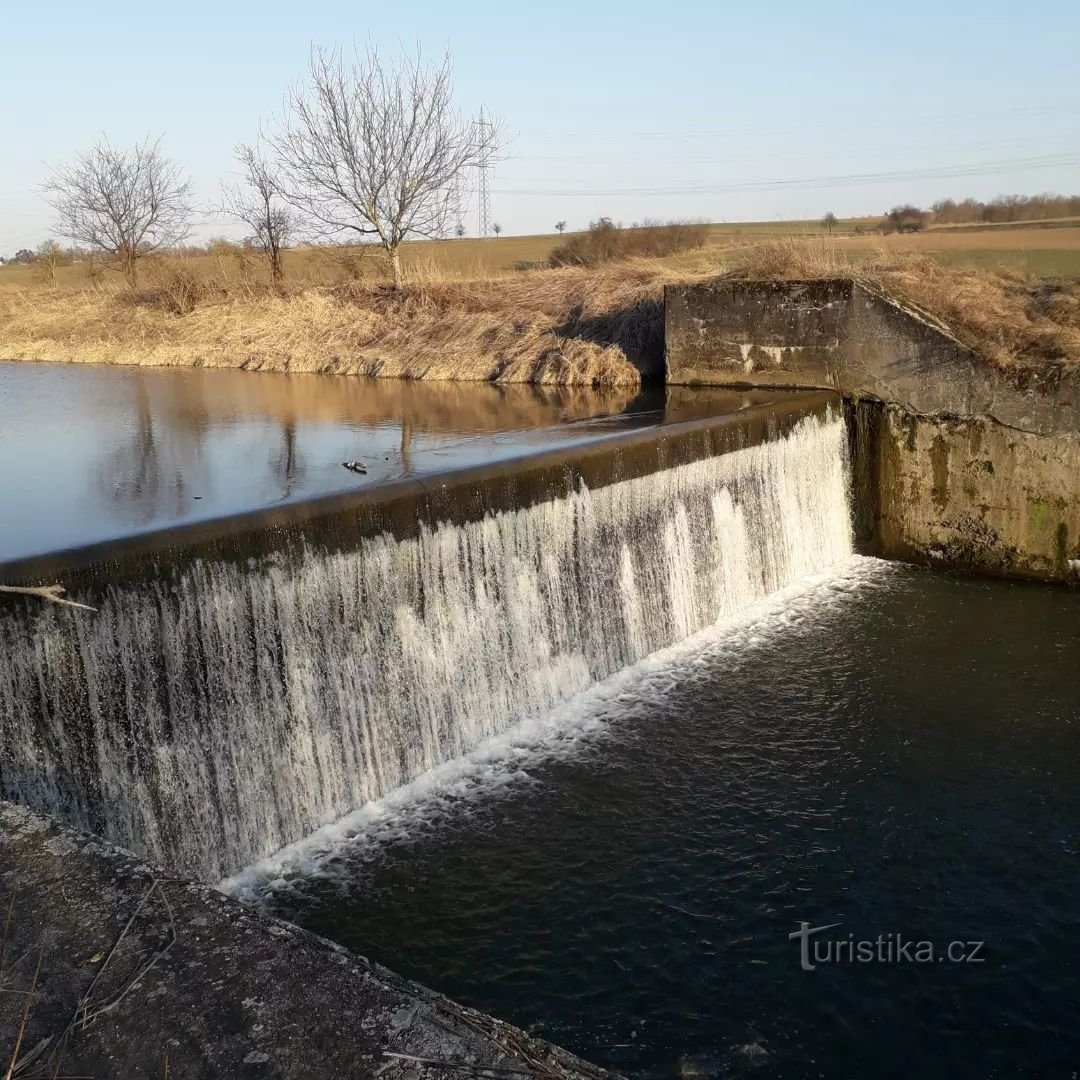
482, 310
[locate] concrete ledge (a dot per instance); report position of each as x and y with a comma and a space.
213, 988
957, 463
340, 522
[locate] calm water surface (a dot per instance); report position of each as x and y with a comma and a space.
902, 762
93, 452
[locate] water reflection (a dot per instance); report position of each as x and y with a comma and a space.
89, 452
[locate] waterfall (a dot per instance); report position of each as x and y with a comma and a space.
208, 718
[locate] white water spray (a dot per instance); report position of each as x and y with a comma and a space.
208, 721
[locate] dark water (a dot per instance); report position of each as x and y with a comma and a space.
93, 452
898, 759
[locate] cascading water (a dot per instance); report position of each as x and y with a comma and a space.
213, 717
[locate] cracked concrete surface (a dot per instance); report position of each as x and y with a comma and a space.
142, 975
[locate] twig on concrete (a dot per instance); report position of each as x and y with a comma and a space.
22, 1022
502, 1038
88, 1011
84, 1014
461, 1066
7, 930
53, 593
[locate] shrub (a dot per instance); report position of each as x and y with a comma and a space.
605, 241
171, 287
905, 218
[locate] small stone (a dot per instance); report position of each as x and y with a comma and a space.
256, 1057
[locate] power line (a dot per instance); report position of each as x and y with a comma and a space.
752, 154
829, 123
846, 180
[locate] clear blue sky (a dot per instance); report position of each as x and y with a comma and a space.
711, 110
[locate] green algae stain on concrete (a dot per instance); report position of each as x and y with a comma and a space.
1040, 508
1061, 547
939, 465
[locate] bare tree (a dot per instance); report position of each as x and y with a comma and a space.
496, 228
256, 203
560, 227
828, 222
125, 203
47, 259
371, 150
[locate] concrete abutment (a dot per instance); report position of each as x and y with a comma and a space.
958, 463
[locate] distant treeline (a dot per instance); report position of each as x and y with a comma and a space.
1006, 208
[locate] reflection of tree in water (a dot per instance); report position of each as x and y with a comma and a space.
134, 475
286, 462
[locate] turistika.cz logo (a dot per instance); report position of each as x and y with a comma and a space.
884, 949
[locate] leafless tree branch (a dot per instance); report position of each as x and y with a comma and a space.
126, 203
370, 150
256, 202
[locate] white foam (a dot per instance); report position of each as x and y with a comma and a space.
501, 764
210, 718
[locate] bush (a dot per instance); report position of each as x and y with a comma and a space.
171, 287
605, 241
905, 219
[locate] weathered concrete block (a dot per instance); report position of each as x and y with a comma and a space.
958, 462
170, 978
967, 494
741, 333
839, 334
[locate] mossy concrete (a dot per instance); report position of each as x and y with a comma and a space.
142, 975
968, 494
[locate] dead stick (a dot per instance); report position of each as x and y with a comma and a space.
54, 593
7, 930
22, 1022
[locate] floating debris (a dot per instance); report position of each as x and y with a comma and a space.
355, 466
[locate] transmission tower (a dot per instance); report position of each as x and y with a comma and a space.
483, 134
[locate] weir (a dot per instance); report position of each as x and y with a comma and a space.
245, 681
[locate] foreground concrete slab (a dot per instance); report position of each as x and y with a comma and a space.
111, 969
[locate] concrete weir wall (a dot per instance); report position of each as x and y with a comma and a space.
230, 692
957, 462
133, 722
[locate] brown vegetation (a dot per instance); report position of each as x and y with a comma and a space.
605, 241
905, 219
557, 327
1012, 319
1006, 208
600, 326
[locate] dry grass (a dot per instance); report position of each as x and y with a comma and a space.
1011, 318
601, 326
569, 327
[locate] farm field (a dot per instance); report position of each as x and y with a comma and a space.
1036, 250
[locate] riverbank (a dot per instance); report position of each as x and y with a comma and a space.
557, 327
600, 326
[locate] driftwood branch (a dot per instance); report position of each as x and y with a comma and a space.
53, 593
